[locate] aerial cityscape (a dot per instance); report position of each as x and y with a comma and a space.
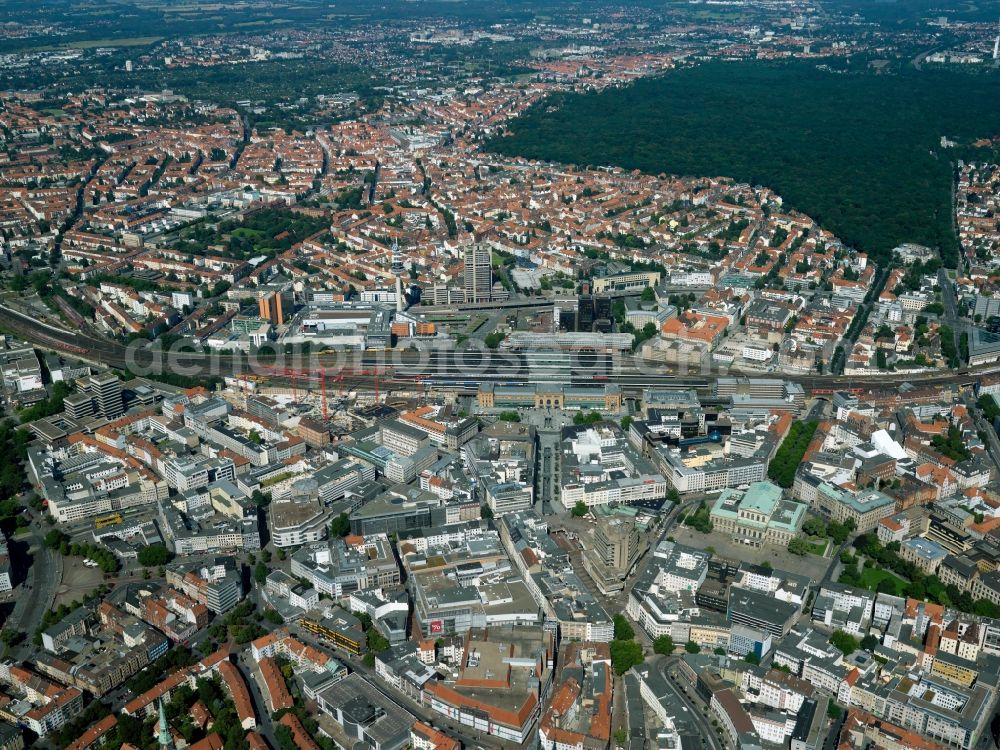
450, 375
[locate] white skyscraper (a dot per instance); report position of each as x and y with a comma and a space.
478, 273
398, 270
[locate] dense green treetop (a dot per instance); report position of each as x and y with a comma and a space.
859, 152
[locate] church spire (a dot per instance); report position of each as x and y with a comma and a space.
165, 740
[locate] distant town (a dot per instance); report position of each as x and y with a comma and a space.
327, 425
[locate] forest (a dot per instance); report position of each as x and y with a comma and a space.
271, 80
860, 153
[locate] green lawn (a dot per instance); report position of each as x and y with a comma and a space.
448, 319
476, 323
817, 546
872, 577
247, 232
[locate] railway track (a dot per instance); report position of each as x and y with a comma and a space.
441, 370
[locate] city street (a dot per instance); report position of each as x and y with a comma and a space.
693, 710
992, 441
265, 727
35, 595
951, 316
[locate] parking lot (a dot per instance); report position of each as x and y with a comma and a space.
78, 580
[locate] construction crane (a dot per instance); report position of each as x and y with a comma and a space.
322, 386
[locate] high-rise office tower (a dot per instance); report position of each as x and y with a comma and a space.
616, 543
478, 273
272, 309
615, 550
79, 405
107, 392
397, 271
